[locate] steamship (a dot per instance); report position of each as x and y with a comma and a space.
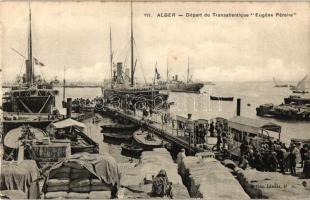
122, 87
31, 100
180, 86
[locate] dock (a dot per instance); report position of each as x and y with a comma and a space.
166, 133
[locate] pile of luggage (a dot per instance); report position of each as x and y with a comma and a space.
85, 176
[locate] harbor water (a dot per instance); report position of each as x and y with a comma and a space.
252, 94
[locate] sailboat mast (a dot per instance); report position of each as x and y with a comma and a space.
167, 71
188, 69
131, 45
111, 55
29, 62
64, 85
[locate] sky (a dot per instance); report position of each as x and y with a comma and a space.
76, 35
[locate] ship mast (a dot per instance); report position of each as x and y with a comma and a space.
131, 45
29, 61
167, 71
64, 85
111, 55
187, 70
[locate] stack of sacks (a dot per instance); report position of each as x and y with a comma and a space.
207, 178
137, 181
82, 176
272, 185
58, 183
153, 161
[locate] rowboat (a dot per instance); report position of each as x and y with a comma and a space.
222, 98
116, 137
146, 140
118, 128
131, 149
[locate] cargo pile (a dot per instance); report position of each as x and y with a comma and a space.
272, 185
85, 176
137, 180
209, 179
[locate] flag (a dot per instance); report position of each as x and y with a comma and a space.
37, 62
157, 75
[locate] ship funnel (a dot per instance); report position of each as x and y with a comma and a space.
29, 71
119, 69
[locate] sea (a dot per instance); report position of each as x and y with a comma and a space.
252, 94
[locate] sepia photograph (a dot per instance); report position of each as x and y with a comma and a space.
138, 99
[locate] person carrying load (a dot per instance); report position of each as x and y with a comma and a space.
161, 186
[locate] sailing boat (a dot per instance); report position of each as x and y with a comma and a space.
179, 86
122, 85
30, 95
301, 86
276, 84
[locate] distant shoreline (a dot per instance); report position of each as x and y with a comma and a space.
78, 86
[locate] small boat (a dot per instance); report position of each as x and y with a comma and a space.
301, 86
276, 84
131, 149
76, 132
116, 137
300, 92
222, 98
118, 128
148, 141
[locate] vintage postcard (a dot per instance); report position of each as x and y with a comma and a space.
145, 99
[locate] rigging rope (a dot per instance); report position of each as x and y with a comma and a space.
35, 52
22, 65
135, 45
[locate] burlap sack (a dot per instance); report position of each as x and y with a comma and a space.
84, 189
55, 195
79, 183
79, 174
57, 182
75, 195
64, 188
100, 195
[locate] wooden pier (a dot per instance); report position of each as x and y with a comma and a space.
154, 127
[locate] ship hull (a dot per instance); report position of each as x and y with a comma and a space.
286, 112
135, 97
300, 92
222, 98
297, 99
37, 104
186, 87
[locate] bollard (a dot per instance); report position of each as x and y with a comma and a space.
69, 107
238, 107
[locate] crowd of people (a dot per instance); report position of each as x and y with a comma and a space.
82, 101
275, 156
263, 155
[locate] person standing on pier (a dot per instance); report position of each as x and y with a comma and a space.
219, 140
302, 154
211, 128
292, 160
306, 166
181, 155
